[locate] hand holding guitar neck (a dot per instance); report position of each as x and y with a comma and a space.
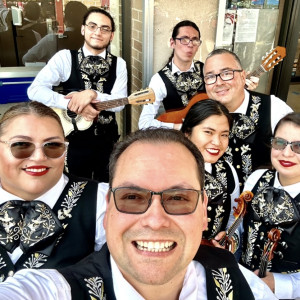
71, 121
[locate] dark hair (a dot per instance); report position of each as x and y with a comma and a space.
28, 108
178, 26
99, 11
292, 117
203, 110
156, 136
32, 10
224, 51
74, 12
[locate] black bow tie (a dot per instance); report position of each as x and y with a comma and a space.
28, 224
94, 65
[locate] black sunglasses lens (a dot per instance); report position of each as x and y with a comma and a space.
22, 150
54, 149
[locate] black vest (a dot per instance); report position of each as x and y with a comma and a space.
219, 185
76, 83
286, 258
76, 210
249, 140
93, 277
176, 99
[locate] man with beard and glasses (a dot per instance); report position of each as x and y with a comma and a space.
86, 77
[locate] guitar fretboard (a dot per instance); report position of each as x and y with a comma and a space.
110, 103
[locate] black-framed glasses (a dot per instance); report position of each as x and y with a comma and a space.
186, 40
134, 200
280, 144
24, 149
225, 75
94, 27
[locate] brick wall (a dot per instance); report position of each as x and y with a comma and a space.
136, 76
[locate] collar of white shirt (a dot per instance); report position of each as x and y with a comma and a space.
86, 52
292, 189
175, 69
242, 109
194, 284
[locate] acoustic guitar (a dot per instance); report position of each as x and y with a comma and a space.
71, 121
269, 62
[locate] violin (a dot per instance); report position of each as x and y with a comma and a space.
269, 248
238, 213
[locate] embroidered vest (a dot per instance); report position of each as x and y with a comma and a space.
261, 217
92, 278
78, 80
76, 210
181, 88
218, 187
250, 136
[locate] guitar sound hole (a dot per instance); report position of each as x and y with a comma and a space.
73, 115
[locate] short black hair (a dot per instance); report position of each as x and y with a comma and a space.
156, 136
99, 11
203, 110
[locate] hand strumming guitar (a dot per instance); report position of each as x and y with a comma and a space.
79, 100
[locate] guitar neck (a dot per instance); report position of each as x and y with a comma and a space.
102, 105
257, 72
230, 231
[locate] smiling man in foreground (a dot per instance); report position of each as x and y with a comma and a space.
156, 213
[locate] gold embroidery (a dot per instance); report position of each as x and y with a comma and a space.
95, 286
223, 284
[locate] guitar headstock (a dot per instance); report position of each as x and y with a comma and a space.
273, 58
144, 96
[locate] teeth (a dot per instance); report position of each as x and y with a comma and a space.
35, 170
213, 150
154, 246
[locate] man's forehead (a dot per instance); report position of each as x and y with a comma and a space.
220, 62
97, 17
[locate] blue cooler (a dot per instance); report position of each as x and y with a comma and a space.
14, 82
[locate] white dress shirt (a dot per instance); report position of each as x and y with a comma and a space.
287, 286
58, 70
51, 197
49, 284
149, 112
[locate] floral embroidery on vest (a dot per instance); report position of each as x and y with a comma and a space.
103, 69
217, 195
95, 287
223, 284
186, 83
243, 127
36, 260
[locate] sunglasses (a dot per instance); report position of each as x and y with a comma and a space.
134, 200
22, 150
280, 144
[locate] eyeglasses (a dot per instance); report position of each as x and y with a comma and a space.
22, 150
131, 200
225, 75
186, 40
280, 144
103, 29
